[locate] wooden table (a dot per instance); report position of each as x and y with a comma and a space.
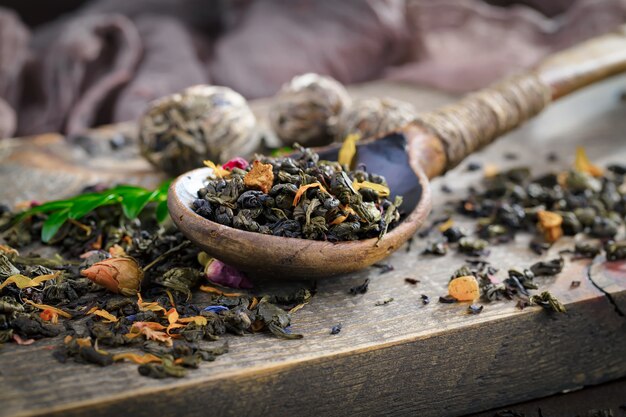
404, 358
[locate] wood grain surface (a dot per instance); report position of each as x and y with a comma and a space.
404, 358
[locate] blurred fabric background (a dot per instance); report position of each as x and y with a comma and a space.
67, 66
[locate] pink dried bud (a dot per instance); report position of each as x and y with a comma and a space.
219, 273
120, 275
237, 162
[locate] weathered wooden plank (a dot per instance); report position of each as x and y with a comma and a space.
403, 358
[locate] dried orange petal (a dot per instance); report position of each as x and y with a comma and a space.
302, 190
550, 224
260, 177
464, 288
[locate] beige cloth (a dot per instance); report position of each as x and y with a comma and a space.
106, 61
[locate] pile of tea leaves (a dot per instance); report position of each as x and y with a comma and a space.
585, 202
119, 289
298, 196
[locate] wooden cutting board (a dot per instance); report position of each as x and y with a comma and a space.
404, 358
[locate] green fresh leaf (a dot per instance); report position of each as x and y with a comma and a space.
133, 200
162, 211
53, 223
83, 206
127, 189
133, 204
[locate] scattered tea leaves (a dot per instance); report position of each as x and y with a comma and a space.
384, 302
360, 289
475, 309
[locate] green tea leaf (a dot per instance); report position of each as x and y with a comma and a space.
83, 206
53, 223
133, 204
133, 200
162, 211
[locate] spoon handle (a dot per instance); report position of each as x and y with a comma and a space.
455, 131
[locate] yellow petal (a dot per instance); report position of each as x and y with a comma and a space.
583, 164
172, 315
199, 320
137, 358
47, 307
217, 169
348, 150
445, 226
110, 318
171, 297
83, 341
22, 281
149, 306
213, 290
379, 188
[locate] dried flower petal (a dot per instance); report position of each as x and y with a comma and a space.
47, 307
260, 177
136, 358
119, 275
446, 225
117, 251
213, 290
237, 162
348, 149
149, 305
302, 190
49, 315
583, 164
22, 281
22, 342
219, 273
151, 331
109, 318
382, 190
217, 169
198, 320
550, 224
464, 288
7, 250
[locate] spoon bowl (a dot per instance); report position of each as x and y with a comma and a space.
293, 258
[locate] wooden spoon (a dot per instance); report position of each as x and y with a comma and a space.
434, 143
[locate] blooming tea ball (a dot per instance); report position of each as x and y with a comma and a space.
307, 110
180, 131
374, 117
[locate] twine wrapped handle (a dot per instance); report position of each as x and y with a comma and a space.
478, 119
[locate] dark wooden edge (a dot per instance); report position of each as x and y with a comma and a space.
439, 370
